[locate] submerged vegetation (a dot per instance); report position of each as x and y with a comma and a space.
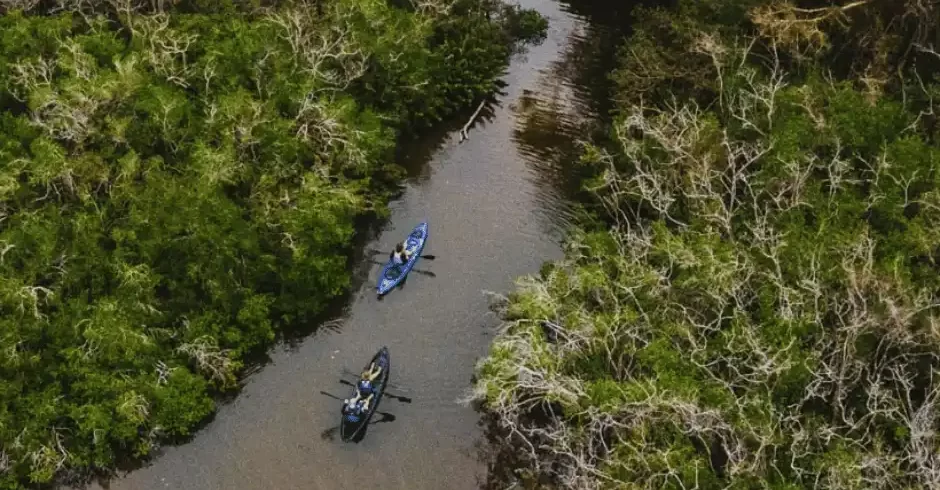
756, 303
179, 182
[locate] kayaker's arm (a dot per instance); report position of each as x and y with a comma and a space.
372, 372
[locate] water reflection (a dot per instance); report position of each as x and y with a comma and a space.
567, 105
415, 154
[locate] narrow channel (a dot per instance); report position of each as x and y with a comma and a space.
496, 209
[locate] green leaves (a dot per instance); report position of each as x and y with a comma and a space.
177, 189
759, 307
181, 403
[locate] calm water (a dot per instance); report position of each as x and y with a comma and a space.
496, 208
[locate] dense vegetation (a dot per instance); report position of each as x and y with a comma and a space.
179, 181
757, 302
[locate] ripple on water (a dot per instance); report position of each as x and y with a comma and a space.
557, 114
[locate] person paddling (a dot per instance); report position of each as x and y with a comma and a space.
367, 377
358, 403
365, 384
400, 255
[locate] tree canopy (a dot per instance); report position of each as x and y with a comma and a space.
757, 301
180, 180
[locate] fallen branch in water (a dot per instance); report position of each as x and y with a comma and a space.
464, 135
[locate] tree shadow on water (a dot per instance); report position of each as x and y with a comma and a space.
414, 153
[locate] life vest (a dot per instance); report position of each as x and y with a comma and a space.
365, 387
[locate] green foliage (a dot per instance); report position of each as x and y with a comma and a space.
468, 48
177, 187
759, 307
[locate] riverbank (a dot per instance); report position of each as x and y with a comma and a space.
493, 216
181, 185
754, 302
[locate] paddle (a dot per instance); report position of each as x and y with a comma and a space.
419, 271
377, 252
385, 415
330, 395
356, 375
403, 399
330, 434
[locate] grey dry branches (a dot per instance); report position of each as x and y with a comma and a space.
432, 8
166, 48
800, 29
67, 113
210, 360
24, 5
679, 156
329, 55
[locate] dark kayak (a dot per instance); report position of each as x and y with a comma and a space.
393, 274
351, 425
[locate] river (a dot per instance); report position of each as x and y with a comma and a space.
497, 210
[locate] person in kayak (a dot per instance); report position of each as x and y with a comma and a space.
399, 256
355, 407
366, 379
351, 404
358, 404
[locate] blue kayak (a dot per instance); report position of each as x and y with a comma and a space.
393, 274
353, 423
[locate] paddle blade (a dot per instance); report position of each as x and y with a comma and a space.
429, 257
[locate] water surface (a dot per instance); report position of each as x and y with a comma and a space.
496, 208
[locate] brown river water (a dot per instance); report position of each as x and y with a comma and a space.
497, 210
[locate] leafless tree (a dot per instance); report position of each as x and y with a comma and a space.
24, 5
330, 55
801, 29
27, 76
166, 47
208, 357
675, 158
